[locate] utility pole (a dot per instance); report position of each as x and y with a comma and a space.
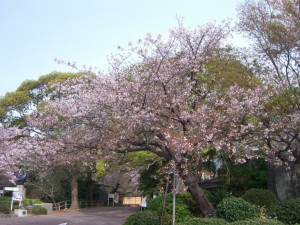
174, 196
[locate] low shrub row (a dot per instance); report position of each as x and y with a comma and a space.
39, 211
151, 218
143, 217
33, 206
256, 207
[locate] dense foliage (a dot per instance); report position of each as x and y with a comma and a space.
257, 222
261, 197
151, 179
240, 177
143, 217
204, 221
289, 212
217, 195
5, 204
185, 205
233, 209
39, 211
31, 201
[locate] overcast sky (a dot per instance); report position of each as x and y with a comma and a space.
35, 32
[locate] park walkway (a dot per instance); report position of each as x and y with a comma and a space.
90, 216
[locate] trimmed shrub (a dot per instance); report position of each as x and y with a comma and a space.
143, 217
257, 222
233, 209
288, 212
261, 198
39, 211
205, 221
183, 204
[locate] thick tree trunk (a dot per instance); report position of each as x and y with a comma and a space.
191, 181
90, 188
74, 192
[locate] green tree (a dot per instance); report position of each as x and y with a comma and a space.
273, 26
16, 105
151, 179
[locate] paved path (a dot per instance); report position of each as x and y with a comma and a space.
91, 216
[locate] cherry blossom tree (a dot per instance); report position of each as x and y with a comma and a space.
41, 143
155, 99
166, 108
8, 153
55, 141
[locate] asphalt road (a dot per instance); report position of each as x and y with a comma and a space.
91, 216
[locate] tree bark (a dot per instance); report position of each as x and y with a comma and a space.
191, 181
74, 192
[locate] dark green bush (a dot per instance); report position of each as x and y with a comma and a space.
5, 203
257, 222
143, 217
184, 202
288, 212
240, 177
216, 196
187, 199
5, 208
261, 198
233, 209
205, 221
39, 211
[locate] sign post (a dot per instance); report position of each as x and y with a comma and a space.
11, 189
2, 193
16, 196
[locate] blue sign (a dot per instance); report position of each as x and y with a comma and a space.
17, 196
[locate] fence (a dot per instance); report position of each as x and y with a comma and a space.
82, 204
127, 201
62, 205
90, 204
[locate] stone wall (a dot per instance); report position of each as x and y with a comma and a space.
284, 182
